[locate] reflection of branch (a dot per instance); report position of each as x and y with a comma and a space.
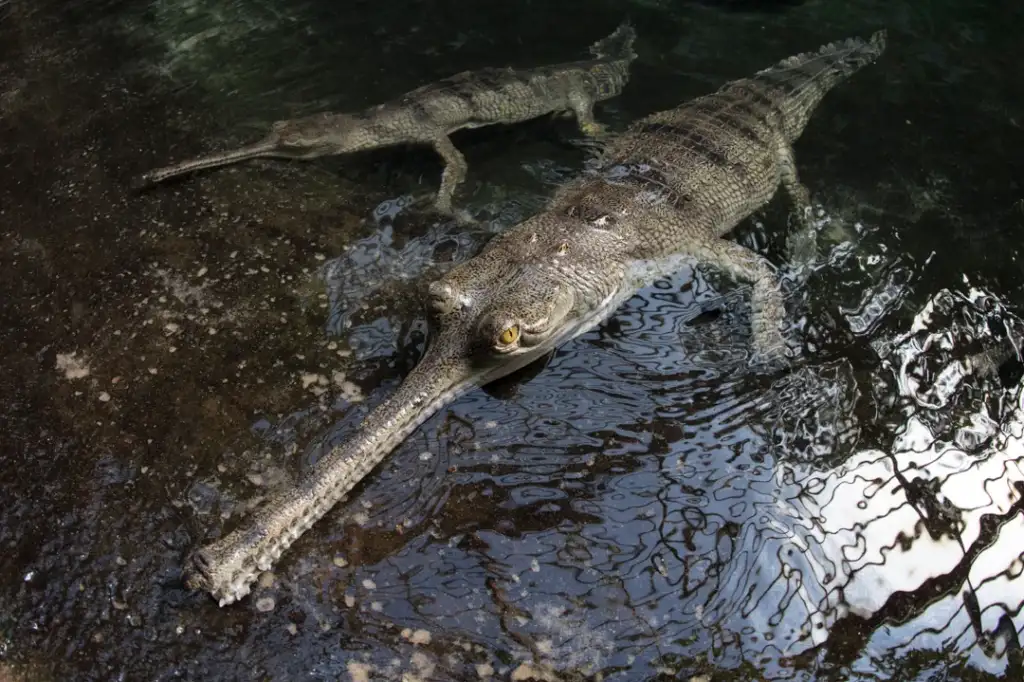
901, 607
506, 611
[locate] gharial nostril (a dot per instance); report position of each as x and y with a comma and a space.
198, 569
202, 560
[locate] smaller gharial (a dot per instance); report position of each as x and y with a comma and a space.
429, 114
665, 193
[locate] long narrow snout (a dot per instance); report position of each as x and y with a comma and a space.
264, 149
227, 567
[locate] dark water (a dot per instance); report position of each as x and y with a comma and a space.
641, 508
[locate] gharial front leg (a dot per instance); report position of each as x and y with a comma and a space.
454, 174
767, 309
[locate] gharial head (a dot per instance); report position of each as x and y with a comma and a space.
301, 138
325, 133
529, 290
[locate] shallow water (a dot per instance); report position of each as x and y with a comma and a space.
641, 507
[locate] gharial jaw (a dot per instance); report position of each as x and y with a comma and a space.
304, 138
521, 298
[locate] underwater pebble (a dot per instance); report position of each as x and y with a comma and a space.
535, 566
527, 671
350, 601
369, 584
424, 456
359, 672
202, 271
484, 670
350, 392
340, 562
104, 397
265, 604
292, 629
267, 579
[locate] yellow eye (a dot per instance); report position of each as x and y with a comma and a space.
509, 336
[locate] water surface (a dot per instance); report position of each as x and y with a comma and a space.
641, 507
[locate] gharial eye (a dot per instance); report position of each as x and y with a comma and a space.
509, 336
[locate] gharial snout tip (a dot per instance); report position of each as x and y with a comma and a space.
140, 182
196, 571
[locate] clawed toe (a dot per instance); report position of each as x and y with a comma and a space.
772, 354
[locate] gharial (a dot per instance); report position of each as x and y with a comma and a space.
429, 114
665, 191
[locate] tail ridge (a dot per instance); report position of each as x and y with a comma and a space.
803, 80
845, 56
618, 45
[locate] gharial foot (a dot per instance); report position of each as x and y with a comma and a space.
460, 215
463, 218
802, 244
771, 354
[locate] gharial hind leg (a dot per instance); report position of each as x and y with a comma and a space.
767, 309
802, 241
454, 174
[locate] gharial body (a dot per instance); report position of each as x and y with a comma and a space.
429, 114
669, 188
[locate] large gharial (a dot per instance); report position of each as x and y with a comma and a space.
668, 188
429, 114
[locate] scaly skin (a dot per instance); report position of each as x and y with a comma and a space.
429, 114
665, 191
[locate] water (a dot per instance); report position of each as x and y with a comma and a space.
639, 508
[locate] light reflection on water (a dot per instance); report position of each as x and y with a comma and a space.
664, 507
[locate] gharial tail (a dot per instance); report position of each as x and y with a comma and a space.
804, 79
619, 45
